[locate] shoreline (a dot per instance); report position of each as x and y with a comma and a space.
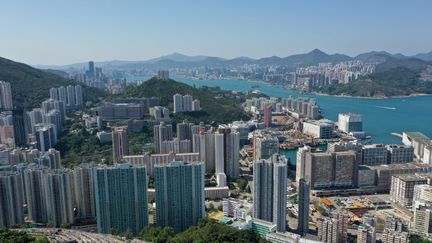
318, 93
373, 97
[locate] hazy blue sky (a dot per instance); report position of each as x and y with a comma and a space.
62, 32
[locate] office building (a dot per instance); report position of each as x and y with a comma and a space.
399, 154
270, 182
162, 132
331, 170
179, 195
20, 134
178, 103
422, 145
84, 191
374, 154
402, 188
303, 207
267, 116
319, 129
121, 198
11, 199
350, 122
120, 143
265, 146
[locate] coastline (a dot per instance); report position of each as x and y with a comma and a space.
373, 97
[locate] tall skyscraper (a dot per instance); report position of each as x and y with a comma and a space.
265, 147
270, 183
46, 136
91, 70
162, 132
178, 103
179, 195
184, 131
35, 195
196, 105
207, 150
11, 200
5, 96
303, 207
70, 91
20, 134
219, 153
268, 116
120, 143
57, 187
54, 93
232, 152
78, 96
84, 191
300, 163
62, 95
187, 103
121, 198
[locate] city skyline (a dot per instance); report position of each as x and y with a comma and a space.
141, 31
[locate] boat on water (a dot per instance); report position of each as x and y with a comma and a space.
255, 86
386, 107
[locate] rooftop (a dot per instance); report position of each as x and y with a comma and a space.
410, 177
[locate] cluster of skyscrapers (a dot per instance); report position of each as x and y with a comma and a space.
72, 96
115, 196
185, 103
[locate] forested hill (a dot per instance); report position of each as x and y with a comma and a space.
216, 104
30, 86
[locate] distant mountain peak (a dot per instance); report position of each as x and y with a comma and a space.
317, 51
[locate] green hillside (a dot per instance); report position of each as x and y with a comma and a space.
30, 86
216, 104
392, 78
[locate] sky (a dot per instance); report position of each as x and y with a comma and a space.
59, 32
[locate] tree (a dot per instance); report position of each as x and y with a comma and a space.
242, 183
211, 207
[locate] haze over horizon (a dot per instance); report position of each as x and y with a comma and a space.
61, 32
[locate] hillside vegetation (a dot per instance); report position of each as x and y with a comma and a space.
30, 86
216, 104
205, 231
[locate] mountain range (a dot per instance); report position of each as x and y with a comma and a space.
180, 60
